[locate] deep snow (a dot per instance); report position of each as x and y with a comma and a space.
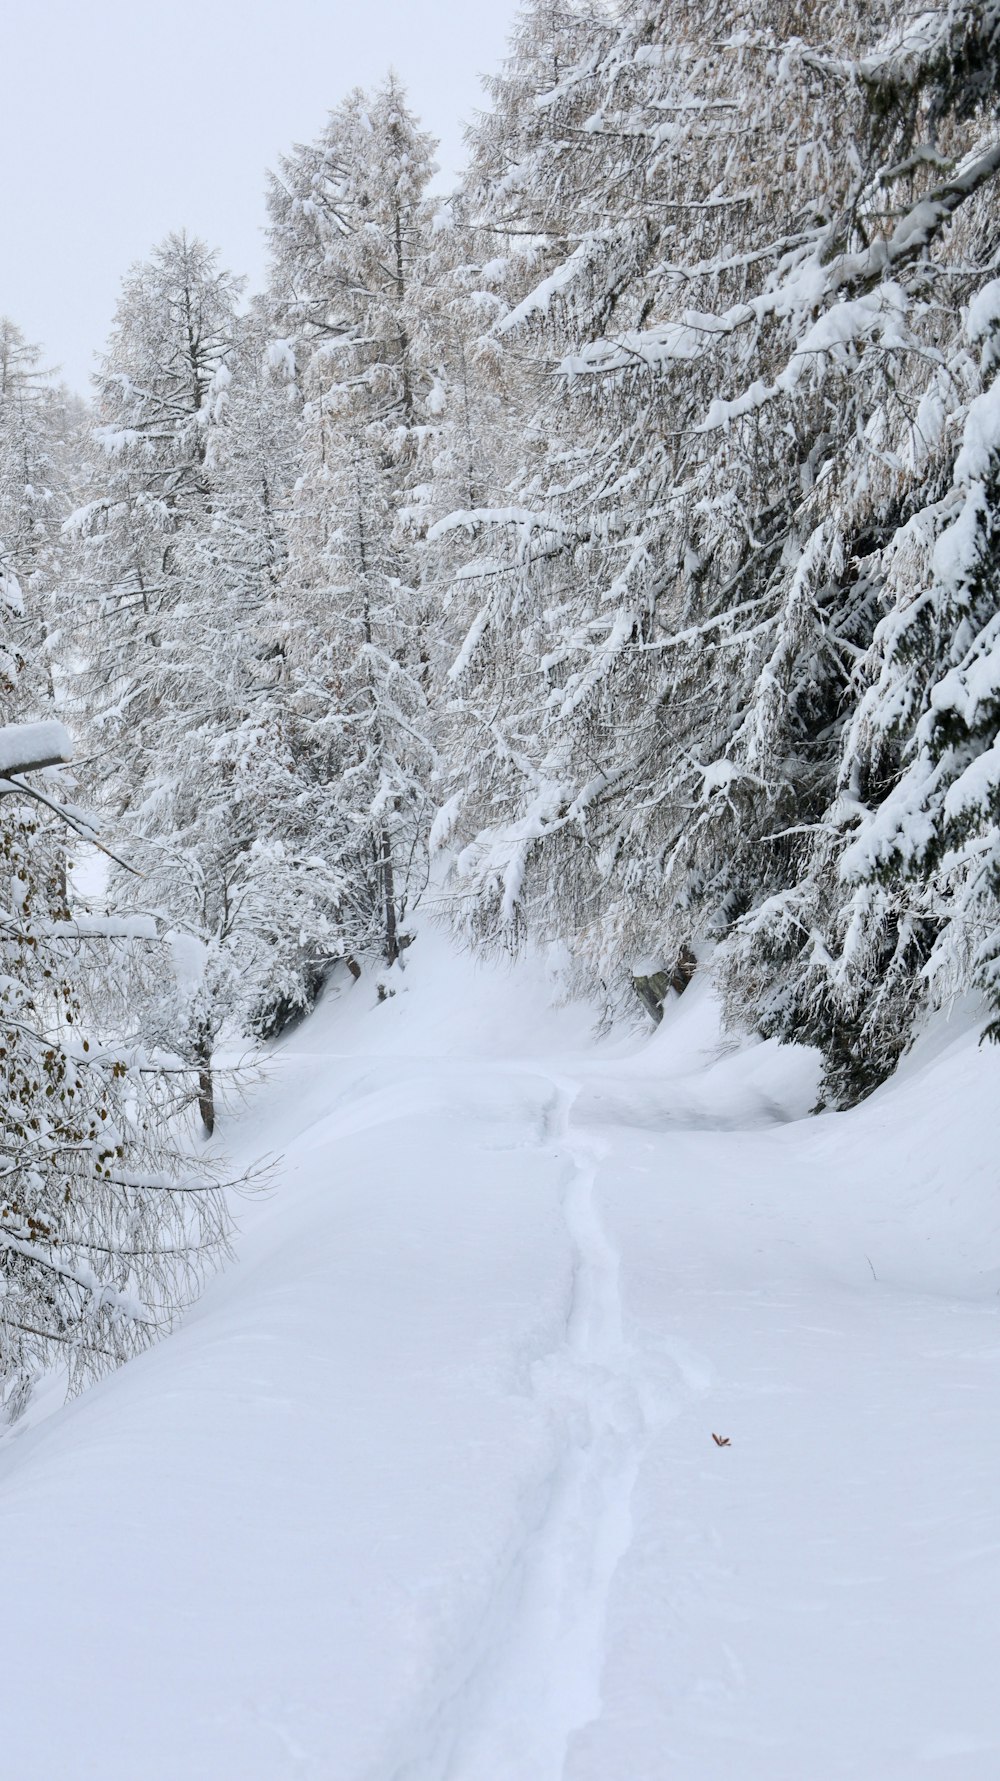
425, 1488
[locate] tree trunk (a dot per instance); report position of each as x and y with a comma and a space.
206, 1083
389, 900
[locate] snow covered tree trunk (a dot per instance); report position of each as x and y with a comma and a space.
206, 1081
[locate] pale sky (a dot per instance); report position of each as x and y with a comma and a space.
124, 119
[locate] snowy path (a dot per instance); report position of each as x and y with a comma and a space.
425, 1488
534, 1677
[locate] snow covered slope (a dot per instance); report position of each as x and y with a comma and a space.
426, 1489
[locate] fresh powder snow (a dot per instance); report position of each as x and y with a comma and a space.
427, 1486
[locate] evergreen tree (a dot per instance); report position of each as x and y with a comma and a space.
667, 620
349, 231
39, 439
161, 393
649, 539
185, 644
105, 1225
881, 903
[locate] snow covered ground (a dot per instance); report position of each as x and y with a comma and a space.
425, 1488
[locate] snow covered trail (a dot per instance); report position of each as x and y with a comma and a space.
533, 1674
425, 1487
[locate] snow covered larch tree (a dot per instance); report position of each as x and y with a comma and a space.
106, 1226
180, 559
736, 315
160, 392
349, 230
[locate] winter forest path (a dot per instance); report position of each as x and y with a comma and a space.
533, 1674
425, 1489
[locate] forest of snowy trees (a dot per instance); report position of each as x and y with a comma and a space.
608, 545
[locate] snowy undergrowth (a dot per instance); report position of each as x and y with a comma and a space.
425, 1487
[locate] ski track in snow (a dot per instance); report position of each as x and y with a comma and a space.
532, 1673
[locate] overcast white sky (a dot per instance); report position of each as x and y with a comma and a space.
123, 119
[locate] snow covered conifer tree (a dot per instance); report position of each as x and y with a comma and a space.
161, 390
940, 824
221, 833
615, 583
885, 895
39, 424
184, 555
903, 891
105, 1226
667, 614
349, 228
